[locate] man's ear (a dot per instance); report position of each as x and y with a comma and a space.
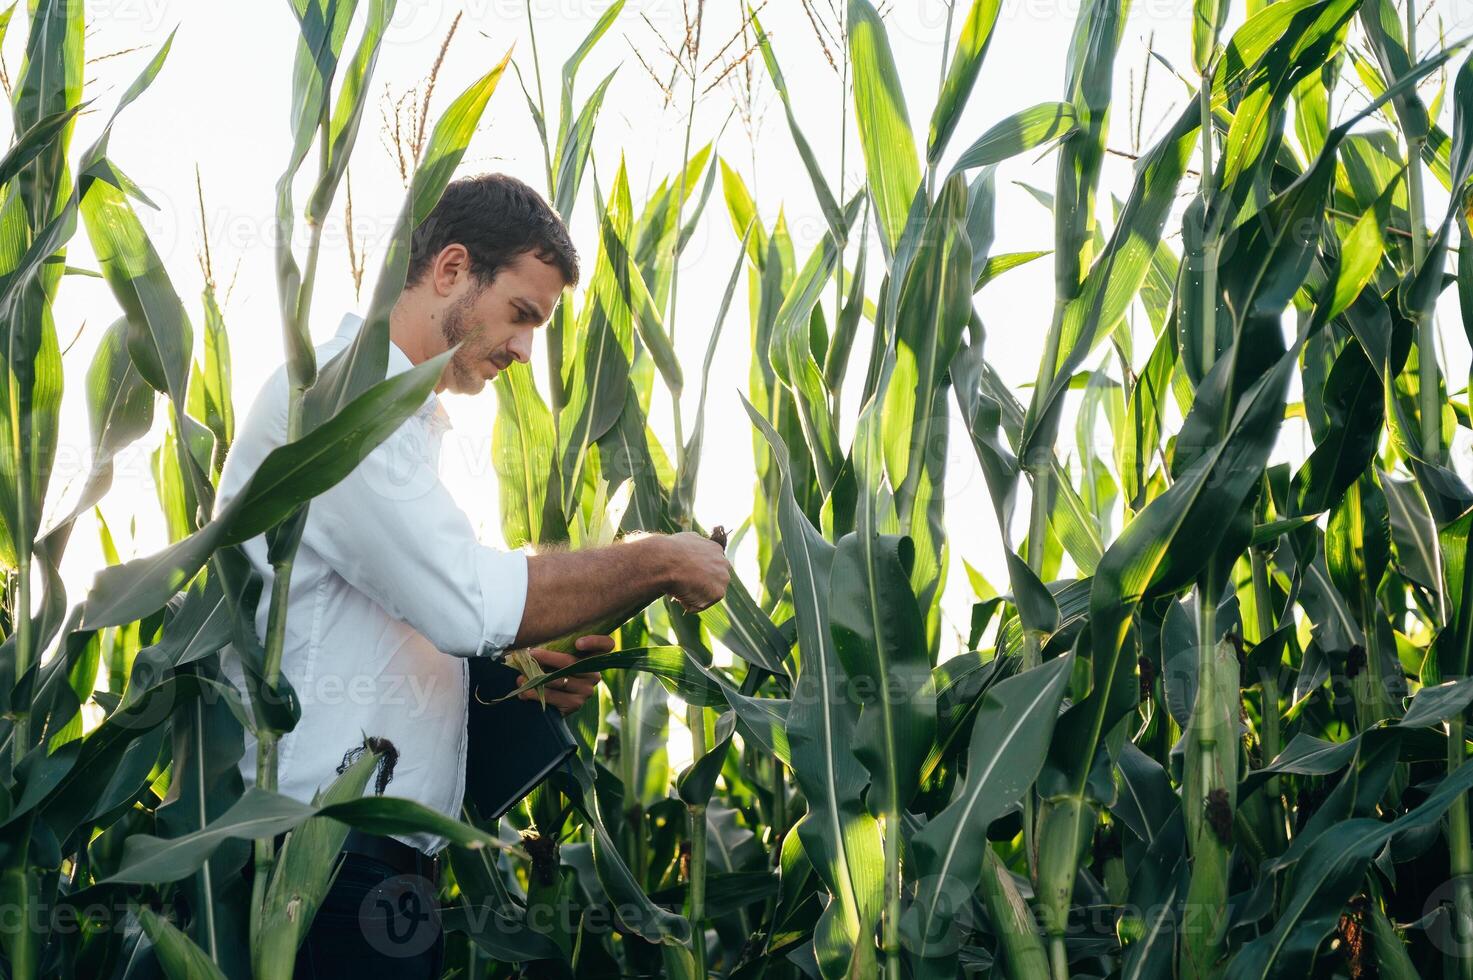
449, 268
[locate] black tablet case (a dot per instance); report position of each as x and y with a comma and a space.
513, 744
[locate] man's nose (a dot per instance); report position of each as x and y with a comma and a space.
521, 347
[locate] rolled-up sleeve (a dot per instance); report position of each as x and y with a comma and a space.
392, 530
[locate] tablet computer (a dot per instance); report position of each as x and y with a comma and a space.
512, 745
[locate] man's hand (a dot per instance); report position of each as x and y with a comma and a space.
700, 572
568, 694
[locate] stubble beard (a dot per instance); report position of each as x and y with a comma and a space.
453, 328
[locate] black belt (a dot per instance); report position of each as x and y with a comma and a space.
396, 854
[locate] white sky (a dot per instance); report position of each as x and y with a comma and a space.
221, 104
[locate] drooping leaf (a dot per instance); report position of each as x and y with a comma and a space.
1009, 739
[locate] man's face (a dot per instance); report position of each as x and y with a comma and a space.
494, 324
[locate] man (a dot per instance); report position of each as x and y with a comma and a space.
390, 590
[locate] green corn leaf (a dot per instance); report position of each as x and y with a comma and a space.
176, 497
984, 412
576, 150
129, 777
1146, 804
120, 412
179, 956
1311, 39
697, 782
935, 301
632, 905
657, 241
33, 232
1088, 86
363, 363
1038, 610
1353, 399
840, 838
1435, 704
259, 813
1114, 278
996, 265
347, 112
49, 82
1382, 25
524, 450
634, 294
105, 751
791, 356
740, 624
1393, 962
288, 476
598, 371
1145, 409
1208, 17
210, 399
681, 673
966, 62
727, 889
645, 737
880, 638
1361, 251
37, 140
501, 936
884, 125
1009, 739
983, 416
1074, 524
764, 720
570, 70
797, 881
960, 684
1268, 533
1308, 755
1455, 644
160, 337
323, 26
1154, 553
836, 358
1158, 884
1245, 50
1312, 112
119, 403
742, 210
1331, 868
627, 451
1412, 532
1022, 131
302, 873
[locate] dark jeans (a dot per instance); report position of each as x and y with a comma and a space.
374, 922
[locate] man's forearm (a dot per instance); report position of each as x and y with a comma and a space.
573, 590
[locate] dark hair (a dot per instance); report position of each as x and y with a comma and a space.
496, 218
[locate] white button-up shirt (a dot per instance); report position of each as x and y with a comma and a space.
390, 593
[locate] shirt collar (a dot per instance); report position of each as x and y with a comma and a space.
399, 362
